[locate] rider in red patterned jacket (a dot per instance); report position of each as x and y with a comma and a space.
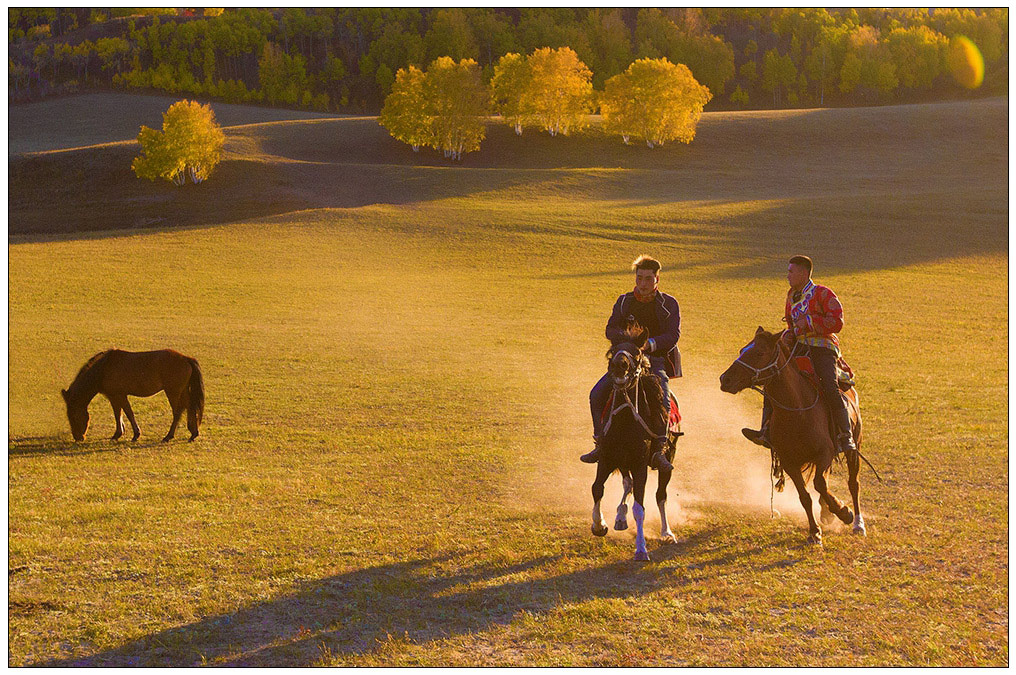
813, 315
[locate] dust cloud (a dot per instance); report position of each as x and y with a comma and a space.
714, 464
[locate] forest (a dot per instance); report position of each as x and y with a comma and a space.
346, 59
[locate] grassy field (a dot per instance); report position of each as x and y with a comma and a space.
398, 351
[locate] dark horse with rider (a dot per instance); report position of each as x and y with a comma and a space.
636, 420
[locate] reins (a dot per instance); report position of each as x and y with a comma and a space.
617, 407
758, 378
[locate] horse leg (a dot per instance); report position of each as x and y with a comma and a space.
621, 520
853, 468
117, 403
639, 511
661, 501
177, 403
825, 516
130, 417
599, 524
830, 504
814, 533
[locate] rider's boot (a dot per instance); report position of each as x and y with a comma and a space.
845, 443
844, 438
593, 456
760, 437
660, 463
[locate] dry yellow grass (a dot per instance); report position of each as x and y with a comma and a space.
397, 375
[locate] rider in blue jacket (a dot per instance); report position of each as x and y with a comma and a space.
660, 315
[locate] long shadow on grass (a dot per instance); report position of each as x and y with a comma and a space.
418, 601
60, 446
35, 446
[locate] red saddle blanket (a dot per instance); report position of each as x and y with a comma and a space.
844, 375
675, 413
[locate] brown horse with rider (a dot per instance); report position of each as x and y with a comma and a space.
806, 423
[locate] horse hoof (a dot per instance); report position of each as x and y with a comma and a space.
620, 524
167, 439
860, 530
815, 539
136, 437
599, 530
192, 438
846, 516
642, 556
669, 538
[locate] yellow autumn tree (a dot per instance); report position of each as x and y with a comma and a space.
404, 114
560, 90
444, 108
654, 100
458, 103
188, 147
510, 91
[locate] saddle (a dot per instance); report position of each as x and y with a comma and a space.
844, 375
673, 425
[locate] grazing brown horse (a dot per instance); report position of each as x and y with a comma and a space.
800, 427
117, 374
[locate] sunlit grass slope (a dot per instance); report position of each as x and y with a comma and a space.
397, 376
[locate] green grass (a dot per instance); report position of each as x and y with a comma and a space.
396, 394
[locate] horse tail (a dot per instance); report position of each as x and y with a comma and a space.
197, 390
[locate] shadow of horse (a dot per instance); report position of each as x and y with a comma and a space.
35, 446
60, 446
418, 601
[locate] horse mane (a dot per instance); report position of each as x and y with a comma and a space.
89, 372
632, 331
628, 336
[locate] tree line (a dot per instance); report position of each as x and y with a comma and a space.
347, 59
446, 106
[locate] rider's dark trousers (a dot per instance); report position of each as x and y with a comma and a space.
824, 361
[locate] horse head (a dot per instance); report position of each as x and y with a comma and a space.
627, 360
755, 365
77, 415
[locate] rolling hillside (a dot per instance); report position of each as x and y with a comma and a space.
398, 352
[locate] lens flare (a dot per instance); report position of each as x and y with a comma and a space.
966, 62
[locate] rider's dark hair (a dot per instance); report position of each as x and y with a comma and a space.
802, 261
644, 262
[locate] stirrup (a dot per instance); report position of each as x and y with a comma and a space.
760, 437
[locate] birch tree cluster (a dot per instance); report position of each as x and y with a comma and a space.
444, 108
654, 101
188, 147
550, 89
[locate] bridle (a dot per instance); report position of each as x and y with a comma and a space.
621, 392
762, 376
